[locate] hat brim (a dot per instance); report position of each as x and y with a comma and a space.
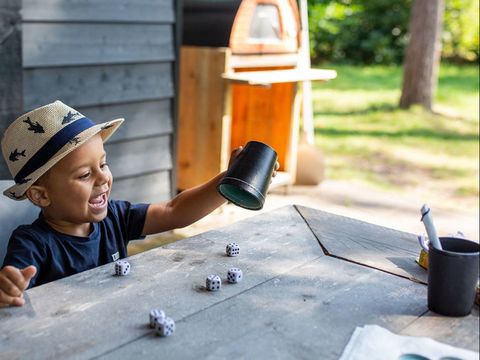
105, 130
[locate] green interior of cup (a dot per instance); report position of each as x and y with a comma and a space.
239, 196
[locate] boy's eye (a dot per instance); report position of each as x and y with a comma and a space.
84, 176
104, 165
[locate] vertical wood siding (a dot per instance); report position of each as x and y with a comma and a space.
107, 59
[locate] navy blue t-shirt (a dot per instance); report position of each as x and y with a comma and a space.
57, 255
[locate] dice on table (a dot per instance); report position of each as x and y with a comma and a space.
233, 249
122, 267
213, 282
234, 275
156, 315
165, 327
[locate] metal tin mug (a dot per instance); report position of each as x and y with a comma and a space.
246, 182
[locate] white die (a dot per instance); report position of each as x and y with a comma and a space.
234, 275
165, 327
213, 282
156, 315
122, 267
233, 249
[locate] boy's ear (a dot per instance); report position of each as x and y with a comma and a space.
38, 195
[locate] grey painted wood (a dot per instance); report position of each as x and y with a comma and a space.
46, 44
178, 5
11, 75
307, 313
98, 85
139, 156
142, 119
99, 10
294, 301
379, 247
148, 188
95, 312
12, 214
107, 59
455, 331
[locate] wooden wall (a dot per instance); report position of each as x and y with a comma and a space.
107, 59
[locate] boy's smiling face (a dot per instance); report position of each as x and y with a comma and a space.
75, 190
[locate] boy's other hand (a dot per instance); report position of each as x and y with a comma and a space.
13, 282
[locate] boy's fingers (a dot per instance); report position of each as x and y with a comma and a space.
29, 272
18, 277
6, 300
18, 301
9, 287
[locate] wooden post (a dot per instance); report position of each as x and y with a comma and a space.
203, 116
11, 83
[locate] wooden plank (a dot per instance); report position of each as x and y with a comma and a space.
264, 114
99, 10
141, 156
202, 121
46, 44
97, 85
95, 312
263, 60
269, 77
11, 83
456, 331
308, 312
150, 188
142, 119
379, 247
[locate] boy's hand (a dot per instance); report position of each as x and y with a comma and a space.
13, 282
234, 154
276, 167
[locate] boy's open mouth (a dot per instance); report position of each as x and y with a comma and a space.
99, 201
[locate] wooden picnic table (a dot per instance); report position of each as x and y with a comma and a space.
310, 278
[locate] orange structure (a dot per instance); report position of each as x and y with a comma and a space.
238, 82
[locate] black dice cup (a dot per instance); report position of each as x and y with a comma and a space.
453, 276
246, 181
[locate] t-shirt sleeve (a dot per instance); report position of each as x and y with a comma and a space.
132, 216
25, 250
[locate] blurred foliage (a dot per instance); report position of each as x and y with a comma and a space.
460, 32
376, 31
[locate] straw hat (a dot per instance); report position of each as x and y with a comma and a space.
37, 140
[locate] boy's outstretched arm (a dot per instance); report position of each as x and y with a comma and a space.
184, 209
188, 206
13, 282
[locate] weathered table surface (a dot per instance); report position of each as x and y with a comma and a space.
310, 278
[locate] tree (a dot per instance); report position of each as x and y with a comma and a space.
423, 53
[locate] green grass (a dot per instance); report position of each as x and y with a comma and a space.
365, 136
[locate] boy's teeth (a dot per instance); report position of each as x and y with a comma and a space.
96, 200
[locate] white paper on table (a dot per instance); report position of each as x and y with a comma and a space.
373, 342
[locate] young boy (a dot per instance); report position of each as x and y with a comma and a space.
58, 162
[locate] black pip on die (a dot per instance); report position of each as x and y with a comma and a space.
234, 275
122, 268
165, 327
213, 282
233, 249
156, 315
